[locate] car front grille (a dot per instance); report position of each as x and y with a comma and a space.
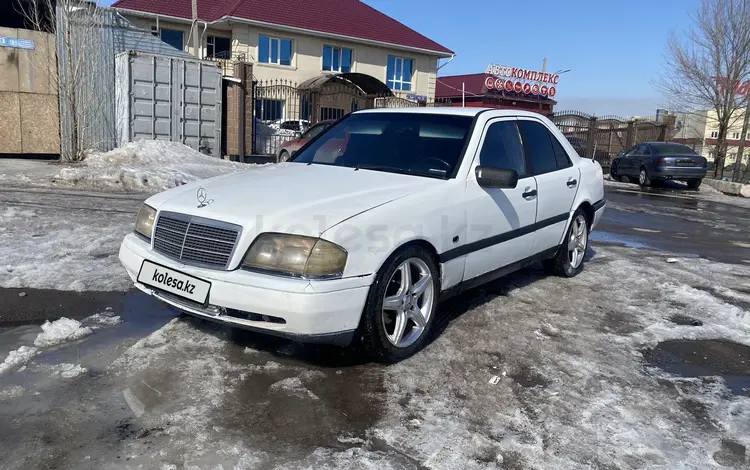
195, 240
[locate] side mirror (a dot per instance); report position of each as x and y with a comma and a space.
489, 177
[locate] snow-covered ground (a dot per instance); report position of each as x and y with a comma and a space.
145, 166
532, 372
55, 240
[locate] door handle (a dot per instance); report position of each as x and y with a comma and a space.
572, 183
529, 194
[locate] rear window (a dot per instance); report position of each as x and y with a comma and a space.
667, 148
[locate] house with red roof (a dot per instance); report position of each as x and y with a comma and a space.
298, 40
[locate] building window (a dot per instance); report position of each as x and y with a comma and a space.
304, 107
274, 50
736, 135
218, 47
337, 59
714, 134
172, 37
329, 114
399, 74
269, 110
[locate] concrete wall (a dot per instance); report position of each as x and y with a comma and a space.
28, 95
307, 54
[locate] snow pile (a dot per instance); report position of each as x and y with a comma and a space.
56, 333
67, 371
11, 392
17, 358
144, 166
60, 331
292, 386
64, 329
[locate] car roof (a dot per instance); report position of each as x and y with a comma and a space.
453, 111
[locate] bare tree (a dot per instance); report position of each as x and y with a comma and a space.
705, 68
77, 26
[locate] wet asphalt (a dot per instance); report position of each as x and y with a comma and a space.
85, 420
675, 221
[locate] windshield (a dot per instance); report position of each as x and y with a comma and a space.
315, 130
673, 149
420, 144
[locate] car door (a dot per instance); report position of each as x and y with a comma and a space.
636, 159
624, 161
557, 182
499, 221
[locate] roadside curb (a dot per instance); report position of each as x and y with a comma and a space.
727, 187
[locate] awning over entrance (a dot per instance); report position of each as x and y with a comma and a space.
368, 84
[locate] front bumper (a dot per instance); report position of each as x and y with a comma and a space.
312, 311
678, 173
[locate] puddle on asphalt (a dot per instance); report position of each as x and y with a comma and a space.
704, 358
608, 237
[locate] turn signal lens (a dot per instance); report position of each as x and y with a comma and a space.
144, 222
296, 255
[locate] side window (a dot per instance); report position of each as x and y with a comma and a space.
631, 150
646, 150
502, 147
538, 147
638, 151
563, 160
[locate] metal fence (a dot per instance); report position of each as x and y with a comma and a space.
283, 110
603, 138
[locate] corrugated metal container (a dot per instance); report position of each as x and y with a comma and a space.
87, 42
168, 98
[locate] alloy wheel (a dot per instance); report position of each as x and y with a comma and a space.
408, 302
577, 241
642, 177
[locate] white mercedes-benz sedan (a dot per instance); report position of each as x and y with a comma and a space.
369, 225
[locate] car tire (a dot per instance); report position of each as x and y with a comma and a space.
378, 327
613, 171
694, 184
283, 156
569, 259
643, 178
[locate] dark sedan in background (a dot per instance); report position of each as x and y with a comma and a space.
651, 162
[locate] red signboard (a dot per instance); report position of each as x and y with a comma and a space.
528, 82
742, 88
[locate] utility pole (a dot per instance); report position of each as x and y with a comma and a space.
194, 31
738, 175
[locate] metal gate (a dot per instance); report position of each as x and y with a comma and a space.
168, 98
603, 138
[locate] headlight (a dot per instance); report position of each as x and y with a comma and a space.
144, 223
296, 255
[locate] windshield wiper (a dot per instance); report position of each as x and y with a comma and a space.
391, 169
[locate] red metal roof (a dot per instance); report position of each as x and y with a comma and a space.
351, 18
450, 86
